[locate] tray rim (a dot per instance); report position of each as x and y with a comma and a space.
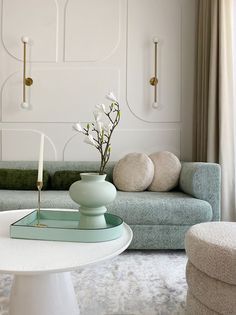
14, 224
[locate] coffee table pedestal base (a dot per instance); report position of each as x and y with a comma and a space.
43, 294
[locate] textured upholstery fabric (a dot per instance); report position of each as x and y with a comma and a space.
62, 180
134, 172
53, 166
166, 171
216, 295
22, 199
158, 236
202, 181
21, 179
147, 208
218, 240
150, 208
159, 220
195, 307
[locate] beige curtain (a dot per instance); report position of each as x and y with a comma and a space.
214, 137
206, 109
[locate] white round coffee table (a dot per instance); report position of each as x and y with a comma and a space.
42, 283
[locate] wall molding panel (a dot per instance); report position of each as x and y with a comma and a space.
25, 138
79, 51
160, 19
152, 141
92, 29
61, 95
36, 19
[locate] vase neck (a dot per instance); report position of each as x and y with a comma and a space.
93, 177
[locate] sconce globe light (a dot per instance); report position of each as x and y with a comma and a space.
155, 40
155, 105
25, 105
25, 39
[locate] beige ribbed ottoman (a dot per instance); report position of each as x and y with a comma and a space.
211, 268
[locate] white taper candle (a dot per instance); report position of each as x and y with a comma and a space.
40, 167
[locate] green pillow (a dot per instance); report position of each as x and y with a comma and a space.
62, 180
19, 179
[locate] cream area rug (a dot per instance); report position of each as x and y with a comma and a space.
133, 283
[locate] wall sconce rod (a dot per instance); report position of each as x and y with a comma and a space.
26, 81
154, 81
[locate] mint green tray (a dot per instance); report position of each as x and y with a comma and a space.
63, 226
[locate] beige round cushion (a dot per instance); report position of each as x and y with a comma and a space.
167, 169
219, 296
211, 248
134, 172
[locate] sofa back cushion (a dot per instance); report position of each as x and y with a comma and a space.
134, 172
167, 170
62, 180
19, 179
53, 166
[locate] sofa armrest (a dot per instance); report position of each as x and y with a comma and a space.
203, 181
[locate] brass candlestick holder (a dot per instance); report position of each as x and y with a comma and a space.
39, 186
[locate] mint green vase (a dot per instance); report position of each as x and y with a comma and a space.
92, 193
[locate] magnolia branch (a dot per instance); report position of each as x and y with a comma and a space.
99, 133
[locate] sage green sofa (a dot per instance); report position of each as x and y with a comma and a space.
159, 220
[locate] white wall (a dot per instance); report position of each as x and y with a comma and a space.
81, 49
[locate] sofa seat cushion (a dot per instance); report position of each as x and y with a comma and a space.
147, 208
138, 208
22, 199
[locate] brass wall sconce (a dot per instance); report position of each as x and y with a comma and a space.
26, 81
154, 80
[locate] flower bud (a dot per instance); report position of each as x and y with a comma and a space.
78, 127
112, 97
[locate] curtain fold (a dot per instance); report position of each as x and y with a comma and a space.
206, 111
226, 104
214, 137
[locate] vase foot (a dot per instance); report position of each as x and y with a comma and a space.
92, 221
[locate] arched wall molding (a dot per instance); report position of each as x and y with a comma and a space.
116, 61
53, 104
20, 45
154, 115
148, 144
106, 55
35, 131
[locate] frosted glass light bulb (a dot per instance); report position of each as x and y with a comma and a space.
155, 105
24, 105
25, 39
155, 40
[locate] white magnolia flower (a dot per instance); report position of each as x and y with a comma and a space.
78, 127
112, 97
89, 140
99, 126
97, 115
101, 108
98, 132
107, 127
